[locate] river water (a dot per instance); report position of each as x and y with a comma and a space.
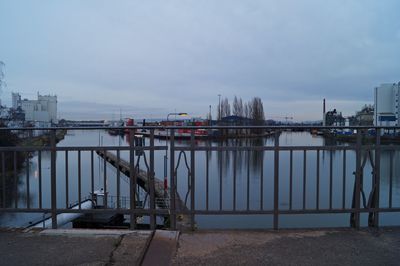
252, 168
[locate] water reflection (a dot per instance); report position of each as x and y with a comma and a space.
244, 157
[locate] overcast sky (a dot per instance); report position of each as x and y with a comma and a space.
150, 58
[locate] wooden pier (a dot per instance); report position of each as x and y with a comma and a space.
142, 180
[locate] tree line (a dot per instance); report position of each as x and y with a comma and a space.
253, 109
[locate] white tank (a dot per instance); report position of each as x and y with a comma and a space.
385, 99
64, 218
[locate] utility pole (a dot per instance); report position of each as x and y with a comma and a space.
209, 117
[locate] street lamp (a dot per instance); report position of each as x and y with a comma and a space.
209, 117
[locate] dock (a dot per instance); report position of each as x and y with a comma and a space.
162, 196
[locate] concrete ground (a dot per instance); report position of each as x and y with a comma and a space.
311, 247
72, 247
124, 247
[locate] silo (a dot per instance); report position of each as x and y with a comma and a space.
385, 104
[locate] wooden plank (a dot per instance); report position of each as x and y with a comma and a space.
162, 248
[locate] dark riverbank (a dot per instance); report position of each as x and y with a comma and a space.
369, 139
42, 140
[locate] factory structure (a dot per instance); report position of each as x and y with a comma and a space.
386, 103
333, 117
43, 110
384, 112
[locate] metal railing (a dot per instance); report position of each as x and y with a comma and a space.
183, 159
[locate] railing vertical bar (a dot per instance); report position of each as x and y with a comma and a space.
207, 178
3, 169
248, 180
166, 173
28, 199
80, 180
192, 179
40, 178
344, 181
220, 181
92, 171
118, 180
377, 177
391, 179
15, 181
357, 188
172, 179
53, 178
276, 181
291, 181
330, 178
152, 185
234, 180
132, 180
262, 183
105, 179
66, 181
304, 178
318, 179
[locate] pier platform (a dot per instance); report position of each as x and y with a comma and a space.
231, 247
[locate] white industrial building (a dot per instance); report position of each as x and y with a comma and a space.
387, 109
16, 100
44, 109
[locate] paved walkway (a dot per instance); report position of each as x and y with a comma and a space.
342, 247
124, 247
72, 247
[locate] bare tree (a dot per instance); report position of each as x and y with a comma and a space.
257, 110
237, 107
235, 110
2, 82
240, 111
246, 110
225, 108
257, 114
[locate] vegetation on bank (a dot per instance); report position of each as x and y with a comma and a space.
9, 139
9, 160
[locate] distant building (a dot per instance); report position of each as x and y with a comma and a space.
333, 118
386, 100
44, 109
365, 117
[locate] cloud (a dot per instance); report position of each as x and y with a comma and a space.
159, 55
97, 111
